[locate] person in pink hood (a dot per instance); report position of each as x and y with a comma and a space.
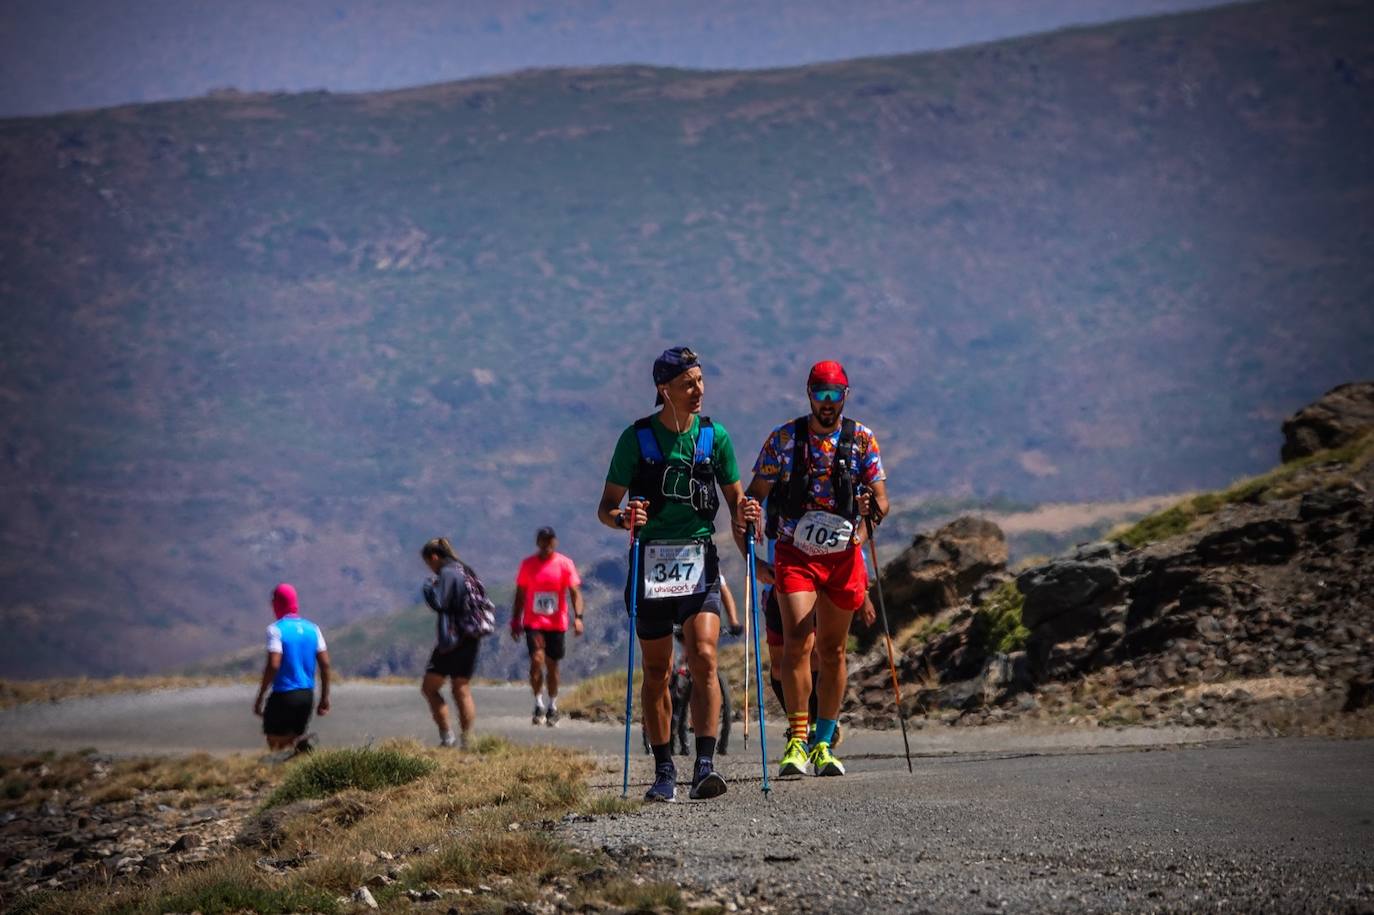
295, 650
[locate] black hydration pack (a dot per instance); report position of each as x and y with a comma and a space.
790, 494
651, 476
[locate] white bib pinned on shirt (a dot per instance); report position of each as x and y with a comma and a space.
820, 533
674, 569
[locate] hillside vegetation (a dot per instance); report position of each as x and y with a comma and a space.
262, 337
1249, 607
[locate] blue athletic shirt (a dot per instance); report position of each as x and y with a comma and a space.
297, 640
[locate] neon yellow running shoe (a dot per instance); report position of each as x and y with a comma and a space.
823, 762
794, 759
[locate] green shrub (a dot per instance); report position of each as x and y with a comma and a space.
1160, 526
1277, 483
327, 773
997, 624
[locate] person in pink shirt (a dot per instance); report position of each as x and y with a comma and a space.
546, 584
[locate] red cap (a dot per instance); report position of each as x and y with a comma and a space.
827, 372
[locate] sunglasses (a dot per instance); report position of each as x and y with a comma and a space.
829, 394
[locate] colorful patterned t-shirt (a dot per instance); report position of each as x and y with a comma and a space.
776, 457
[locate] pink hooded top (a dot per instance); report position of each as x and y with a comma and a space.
284, 602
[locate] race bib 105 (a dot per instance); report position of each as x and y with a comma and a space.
674, 569
819, 533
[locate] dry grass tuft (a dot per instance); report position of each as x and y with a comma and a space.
922, 630
193, 778
469, 820
19, 692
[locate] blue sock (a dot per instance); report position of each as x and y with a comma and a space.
825, 731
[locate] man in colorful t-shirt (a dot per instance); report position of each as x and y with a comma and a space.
821, 475
295, 649
546, 583
670, 464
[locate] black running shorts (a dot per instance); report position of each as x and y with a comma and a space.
772, 618
459, 662
288, 713
654, 619
555, 643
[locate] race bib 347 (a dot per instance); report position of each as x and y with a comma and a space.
674, 569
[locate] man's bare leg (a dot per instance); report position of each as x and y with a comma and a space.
832, 638
798, 641
658, 706
700, 635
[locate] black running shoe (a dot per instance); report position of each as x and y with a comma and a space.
706, 781
664, 788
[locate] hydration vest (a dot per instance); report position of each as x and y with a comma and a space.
789, 496
650, 477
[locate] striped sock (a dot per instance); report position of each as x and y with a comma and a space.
797, 725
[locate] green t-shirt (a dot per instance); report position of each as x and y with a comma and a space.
678, 520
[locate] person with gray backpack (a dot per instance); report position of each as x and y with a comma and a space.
463, 615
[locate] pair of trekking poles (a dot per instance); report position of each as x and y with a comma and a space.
752, 621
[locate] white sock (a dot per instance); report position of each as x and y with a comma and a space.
539, 701
553, 703
447, 735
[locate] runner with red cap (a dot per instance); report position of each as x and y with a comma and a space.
819, 474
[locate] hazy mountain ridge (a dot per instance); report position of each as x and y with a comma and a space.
263, 337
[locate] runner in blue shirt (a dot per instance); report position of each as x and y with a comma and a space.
295, 649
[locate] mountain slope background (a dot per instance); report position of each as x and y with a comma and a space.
165, 49
262, 337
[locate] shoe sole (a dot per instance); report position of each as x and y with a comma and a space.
660, 799
711, 786
830, 770
789, 769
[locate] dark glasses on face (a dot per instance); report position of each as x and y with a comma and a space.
828, 394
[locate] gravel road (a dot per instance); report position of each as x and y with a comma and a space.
1238, 825
994, 818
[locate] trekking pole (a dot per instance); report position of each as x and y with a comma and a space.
630, 667
747, 604
887, 633
758, 663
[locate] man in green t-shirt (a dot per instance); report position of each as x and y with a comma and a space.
670, 465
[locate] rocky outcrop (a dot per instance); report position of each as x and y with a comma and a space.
1338, 418
939, 570
1276, 587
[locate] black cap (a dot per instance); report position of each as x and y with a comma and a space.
544, 533
672, 363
